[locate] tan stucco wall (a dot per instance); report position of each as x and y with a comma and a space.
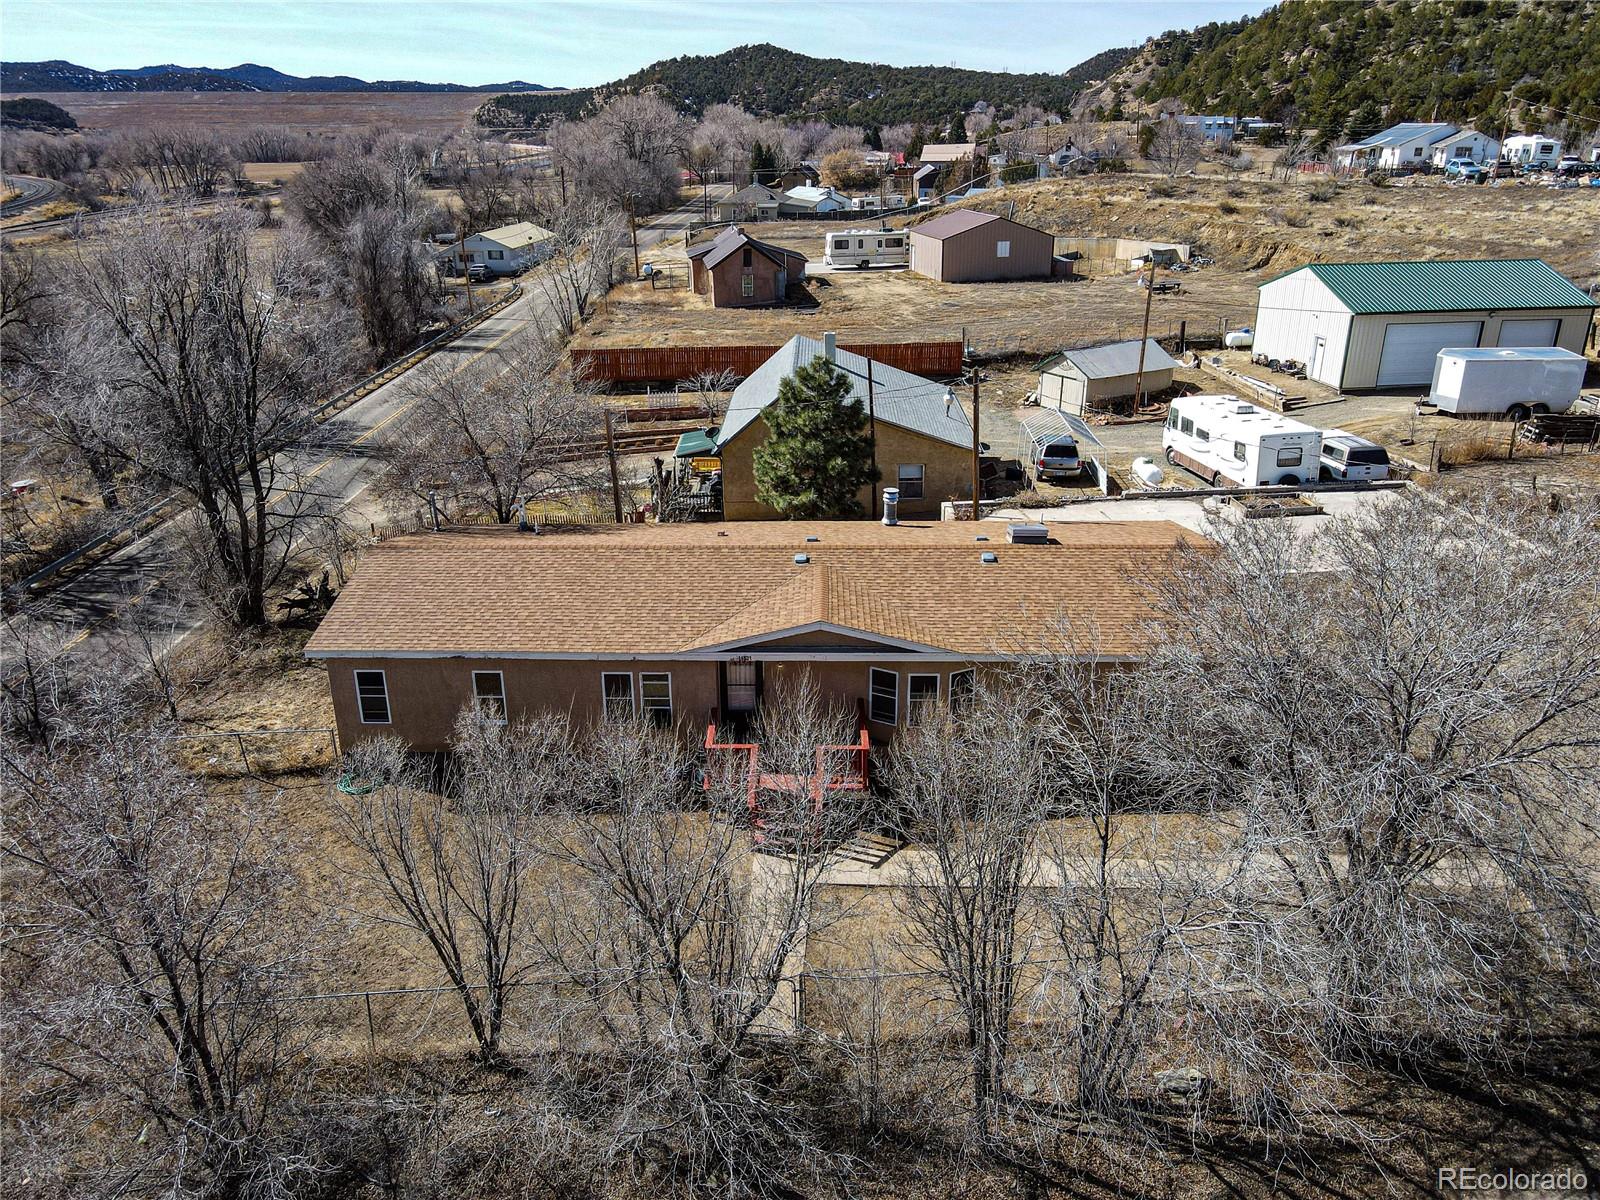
947, 472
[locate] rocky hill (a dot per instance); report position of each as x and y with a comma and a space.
771, 81
1347, 69
59, 76
27, 112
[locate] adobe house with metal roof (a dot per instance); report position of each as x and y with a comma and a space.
921, 436
967, 246
737, 271
692, 623
1366, 325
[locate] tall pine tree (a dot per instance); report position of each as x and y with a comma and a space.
817, 456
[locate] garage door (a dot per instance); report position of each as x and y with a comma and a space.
1409, 350
1540, 332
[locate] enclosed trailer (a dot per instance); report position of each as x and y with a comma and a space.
1516, 382
1225, 438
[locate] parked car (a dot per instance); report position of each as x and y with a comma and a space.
1465, 169
1048, 450
1570, 164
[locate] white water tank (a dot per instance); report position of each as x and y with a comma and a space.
1147, 471
1238, 339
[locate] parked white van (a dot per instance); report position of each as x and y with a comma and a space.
867, 248
1346, 456
1224, 438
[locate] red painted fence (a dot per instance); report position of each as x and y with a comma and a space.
641, 364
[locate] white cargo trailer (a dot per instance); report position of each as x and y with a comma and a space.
1225, 438
1517, 382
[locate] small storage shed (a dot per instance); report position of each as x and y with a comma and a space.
1365, 325
1087, 377
967, 246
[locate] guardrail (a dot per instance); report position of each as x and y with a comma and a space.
151, 516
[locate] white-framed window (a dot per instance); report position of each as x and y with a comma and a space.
883, 695
616, 691
655, 695
496, 255
372, 697
922, 697
747, 285
489, 694
1290, 456
908, 478
963, 685
1002, 249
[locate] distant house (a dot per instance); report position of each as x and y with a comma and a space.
700, 623
923, 438
942, 154
1400, 147
967, 246
1465, 145
754, 203
1085, 378
737, 271
1211, 128
800, 201
507, 250
1363, 325
799, 175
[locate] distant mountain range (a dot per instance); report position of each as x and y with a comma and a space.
59, 76
770, 81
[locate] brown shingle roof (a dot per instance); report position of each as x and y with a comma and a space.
674, 589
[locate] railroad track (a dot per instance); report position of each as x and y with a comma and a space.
31, 192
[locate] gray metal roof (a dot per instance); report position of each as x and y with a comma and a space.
733, 238
753, 194
1406, 131
898, 397
1118, 358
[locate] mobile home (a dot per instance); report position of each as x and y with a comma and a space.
1224, 438
867, 248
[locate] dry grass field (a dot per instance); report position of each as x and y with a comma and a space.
307, 112
1253, 229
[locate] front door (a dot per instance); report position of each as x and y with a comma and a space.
744, 686
1319, 351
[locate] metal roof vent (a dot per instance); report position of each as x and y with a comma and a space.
811, 537
989, 556
1032, 533
802, 559
982, 537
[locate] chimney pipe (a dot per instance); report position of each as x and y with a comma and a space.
830, 347
891, 506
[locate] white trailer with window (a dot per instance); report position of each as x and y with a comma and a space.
1224, 439
867, 248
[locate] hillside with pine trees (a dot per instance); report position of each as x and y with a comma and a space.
1348, 69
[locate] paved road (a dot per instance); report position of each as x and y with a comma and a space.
33, 192
99, 612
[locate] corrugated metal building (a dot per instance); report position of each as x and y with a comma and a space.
967, 246
1371, 325
1090, 376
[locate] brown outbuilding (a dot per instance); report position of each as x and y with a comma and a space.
737, 271
967, 246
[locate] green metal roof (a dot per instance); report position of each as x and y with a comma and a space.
697, 443
1448, 286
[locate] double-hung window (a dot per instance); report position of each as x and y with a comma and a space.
883, 696
489, 694
962, 686
908, 477
747, 285
372, 697
616, 689
655, 695
497, 255
922, 697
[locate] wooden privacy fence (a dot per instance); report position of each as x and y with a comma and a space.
652, 364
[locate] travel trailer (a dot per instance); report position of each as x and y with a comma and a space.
867, 248
1531, 150
1224, 438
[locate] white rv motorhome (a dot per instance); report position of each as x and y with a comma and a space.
1225, 438
867, 248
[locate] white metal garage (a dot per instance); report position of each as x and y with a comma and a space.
1540, 332
1410, 348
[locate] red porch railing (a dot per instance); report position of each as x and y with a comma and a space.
838, 768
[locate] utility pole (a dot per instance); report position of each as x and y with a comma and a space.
1505, 128
977, 449
561, 173
1144, 334
611, 456
633, 231
466, 267
872, 434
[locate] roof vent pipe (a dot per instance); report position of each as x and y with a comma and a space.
802, 559
830, 347
891, 506
989, 556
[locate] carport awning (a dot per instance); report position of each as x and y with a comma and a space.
697, 443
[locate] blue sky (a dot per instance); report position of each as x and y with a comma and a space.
574, 44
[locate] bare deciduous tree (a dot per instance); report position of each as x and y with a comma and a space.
1175, 149
586, 258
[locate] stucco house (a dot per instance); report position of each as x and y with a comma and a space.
1465, 145
694, 624
1400, 147
737, 271
923, 438
508, 250
1365, 325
